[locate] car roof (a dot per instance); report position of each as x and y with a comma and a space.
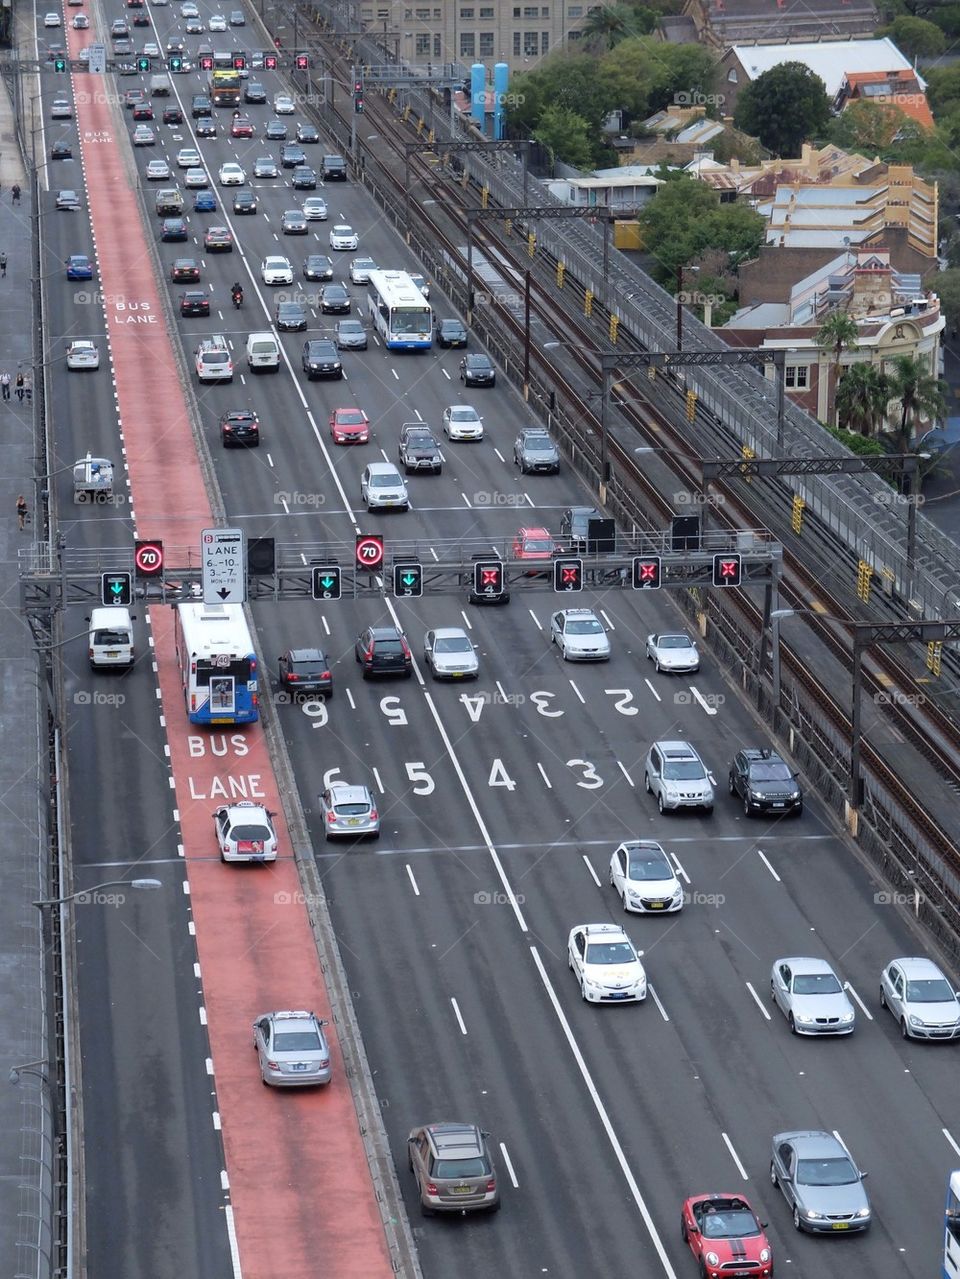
811, 1144
454, 1140
675, 748
532, 531
915, 966
344, 793
578, 612
641, 845
660, 635
245, 808
385, 632
449, 632
382, 468
806, 964
307, 655
604, 932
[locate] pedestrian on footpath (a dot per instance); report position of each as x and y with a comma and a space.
15, 192
5, 384
28, 387
21, 512
3, 266
19, 385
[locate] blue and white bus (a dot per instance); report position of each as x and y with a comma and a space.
951, 1229
399, 311
218, 667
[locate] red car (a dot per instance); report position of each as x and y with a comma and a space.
143, 111
349, 426
242, 127
726, 1237
533, 544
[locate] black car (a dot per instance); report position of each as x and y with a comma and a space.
304, 178
334, 299
292, 222
185, 271
194, 302
351, 336
476, 370
61, 151
175, 46
307, 133
534, 450
320, 359
292, 155
200, 105
318, 267
334, 168
240, 429
451, 332
172, 229
418, 450
383, 650
291, 317
172, 115
574, 523
206, 128
764, 782
245, 202
305, 672
253, 91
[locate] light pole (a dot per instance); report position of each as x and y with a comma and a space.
607, 364
47, 903
680, 270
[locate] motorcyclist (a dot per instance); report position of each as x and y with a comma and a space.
236, 292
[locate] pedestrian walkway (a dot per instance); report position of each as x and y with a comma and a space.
24, 1108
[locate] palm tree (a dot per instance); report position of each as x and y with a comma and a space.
837, 333
607, 25
862, 397
919, 392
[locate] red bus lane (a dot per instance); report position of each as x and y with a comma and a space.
300, 1187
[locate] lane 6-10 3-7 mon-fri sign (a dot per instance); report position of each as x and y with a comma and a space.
223, 557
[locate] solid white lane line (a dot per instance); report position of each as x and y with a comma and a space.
583, 700
734, 1156
232, 1237
412, 880
763, 858
380, 786
353, 704
863, 1007
535, 618
589, 865
653, 690
711, 710
758, 1001
503, 692
509, 1164
456, 1009
656, 999
610, 625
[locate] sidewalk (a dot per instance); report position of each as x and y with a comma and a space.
24, 1107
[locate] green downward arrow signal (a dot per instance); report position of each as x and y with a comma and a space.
409, 579
326, 582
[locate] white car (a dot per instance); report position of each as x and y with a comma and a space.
83, 355
196, 178
462, 422
189, 10
315, 208
283, 105
276, 270
188, 158
61, 108
360, 269
675, 653
811, 997
579, 635
232, 175
157, 171
605, 963
245, 833
144, 136
217, 22
151, 50
450, 654
344, 237
382, 486
81, 22
51, 19
644, 877
921, 999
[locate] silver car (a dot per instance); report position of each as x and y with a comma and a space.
381, 485
811, 997
292, 1049
678, 777
450, 654
675, 653
922, 1000
348, 810
580, 636
643, 875
820, 1182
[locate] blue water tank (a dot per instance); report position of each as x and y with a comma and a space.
501, 79
478, 93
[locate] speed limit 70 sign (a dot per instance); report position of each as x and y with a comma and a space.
148, 557
369, 552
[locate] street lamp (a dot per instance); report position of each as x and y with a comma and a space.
607, 364
47, 903
680, 271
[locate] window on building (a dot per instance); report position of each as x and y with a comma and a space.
574, 35
383, 15
423, 46
545, 11
796, 377
486, 44
366, 15
468, 44
732, 75
544, 41
575, 11
466, 13
423, 15
436, 46
516, 13
487, 13
531, 44
531, 11
516, 44
408, 15
437, 15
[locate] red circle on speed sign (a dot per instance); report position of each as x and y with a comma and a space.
369, 550
148, 558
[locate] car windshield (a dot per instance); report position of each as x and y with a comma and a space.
931, 990
214, 357
774, 772
816, 984
585, 626
687, 770
460, 1169
308, 668
538, 444
838, 1171
609, 952
463, 415
351, 326
250, 832
296, 1041
652, 865
673, 641
351, 810
538, 544
389, 646
384, 481
350, 417
736, 1223
453, 644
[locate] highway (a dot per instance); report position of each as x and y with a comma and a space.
501, 804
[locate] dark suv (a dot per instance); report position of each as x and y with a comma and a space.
305, 672
334, 168
321, 359
764, 782
453, 1169
383, 650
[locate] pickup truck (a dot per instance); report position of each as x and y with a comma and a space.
169, 203
92, 479
418, 449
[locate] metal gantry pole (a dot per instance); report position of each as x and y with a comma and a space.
853, 797
526, 334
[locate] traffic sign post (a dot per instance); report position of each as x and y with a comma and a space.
488, 578
727, 570
408, 579
326, 582
646, 572
97, 62
568, 574
148, 557
369, 552
116, 588
223, 560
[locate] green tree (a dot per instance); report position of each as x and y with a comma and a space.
920, 395
685, 222
948, 289
862, 398
916, 37
868, 127
564, 80
784, 107
607, 25
837, 333
567, 135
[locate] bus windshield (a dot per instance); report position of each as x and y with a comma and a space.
410, 319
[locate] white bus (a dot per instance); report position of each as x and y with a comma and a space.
218, 667
399, 311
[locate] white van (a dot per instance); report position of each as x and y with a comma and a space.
263, 353
160, 86
111, 637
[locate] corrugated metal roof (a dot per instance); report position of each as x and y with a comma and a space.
830, 61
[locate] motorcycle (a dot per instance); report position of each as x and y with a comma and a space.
237, 298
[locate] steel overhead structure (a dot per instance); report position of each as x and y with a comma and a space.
445, 147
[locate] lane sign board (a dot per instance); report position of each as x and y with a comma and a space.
223, 560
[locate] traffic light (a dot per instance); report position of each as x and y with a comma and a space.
143, 65
326, 582
726, 570
302, 62
358, 96
176, 62
408, 578
239, 62
568, 574
269, 62
488, 578
646, 572
116, 588
206, 62
60, 65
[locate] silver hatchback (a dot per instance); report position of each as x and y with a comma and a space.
921, 999
676, 775
292, 1049
349, 810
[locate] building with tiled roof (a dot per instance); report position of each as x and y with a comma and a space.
902, 89
722, 23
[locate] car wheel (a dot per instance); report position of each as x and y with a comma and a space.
797, 1223
746, 806
683, 1230
773, 1174
883, 998
792, 1024
903, 1028
424, 1210
623, 898
646, 782
660, 802
730, 784
583, 992
703, 1270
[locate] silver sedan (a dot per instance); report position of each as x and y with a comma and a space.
674, 653
809, 994
450, 654
292, 1049
820, 1182
921, 999
579, 635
